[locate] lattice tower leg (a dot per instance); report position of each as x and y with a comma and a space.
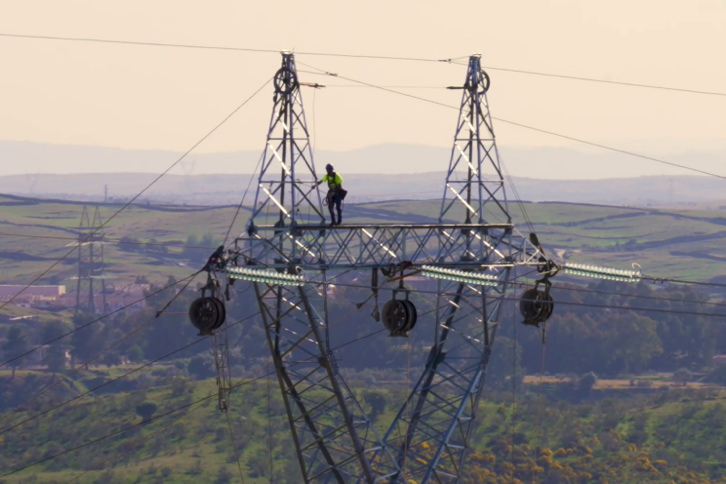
432, 428
332, 436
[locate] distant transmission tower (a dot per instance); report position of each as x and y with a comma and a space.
90, 264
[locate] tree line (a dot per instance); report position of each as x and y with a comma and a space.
610, 329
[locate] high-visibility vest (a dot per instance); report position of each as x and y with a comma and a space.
334, 180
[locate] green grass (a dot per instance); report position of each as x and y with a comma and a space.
680, 244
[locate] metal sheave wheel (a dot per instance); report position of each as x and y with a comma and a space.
399, 316
536, 306
205, 314
285, 81
222, 312
395, 316
412, 315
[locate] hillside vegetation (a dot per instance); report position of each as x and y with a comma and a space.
168, 429
148, 414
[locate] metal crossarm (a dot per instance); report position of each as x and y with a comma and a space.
473, 246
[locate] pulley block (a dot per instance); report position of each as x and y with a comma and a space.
399, 316
285, 81
536, 306
484, 82
207, 314
481, 84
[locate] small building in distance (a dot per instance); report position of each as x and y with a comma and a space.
30, 293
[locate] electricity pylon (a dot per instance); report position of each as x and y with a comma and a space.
91, 263
473, 250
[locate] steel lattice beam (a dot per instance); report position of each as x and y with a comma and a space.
332, 435
314, 247
286, 190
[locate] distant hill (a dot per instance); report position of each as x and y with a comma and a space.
384, 172
223, 189
549, 163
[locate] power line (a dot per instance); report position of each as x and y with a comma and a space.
681, 281
135, 197
565, 303
453, 60
107, 436
571, 138
85, 325
235, 386
610, 148
100, 353
134, 42
115, 379
242, 200
219, 47
606, 81
97, 387
533, 128
653, 310
654, 279
234, 447
639, 296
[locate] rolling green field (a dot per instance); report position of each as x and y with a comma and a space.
35, 234
547, 433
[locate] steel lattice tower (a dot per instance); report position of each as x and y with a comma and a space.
472, 250
432, 428
332, 435
90, 263
287, 176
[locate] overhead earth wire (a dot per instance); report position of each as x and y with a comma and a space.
453, 60
533, 128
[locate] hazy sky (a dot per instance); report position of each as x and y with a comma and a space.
144, 97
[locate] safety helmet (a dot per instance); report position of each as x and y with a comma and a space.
329, 167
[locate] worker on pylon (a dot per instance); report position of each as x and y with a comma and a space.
216, 260
336, 194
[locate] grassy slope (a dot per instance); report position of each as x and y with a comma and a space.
666, 243
679, 243
190, 442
